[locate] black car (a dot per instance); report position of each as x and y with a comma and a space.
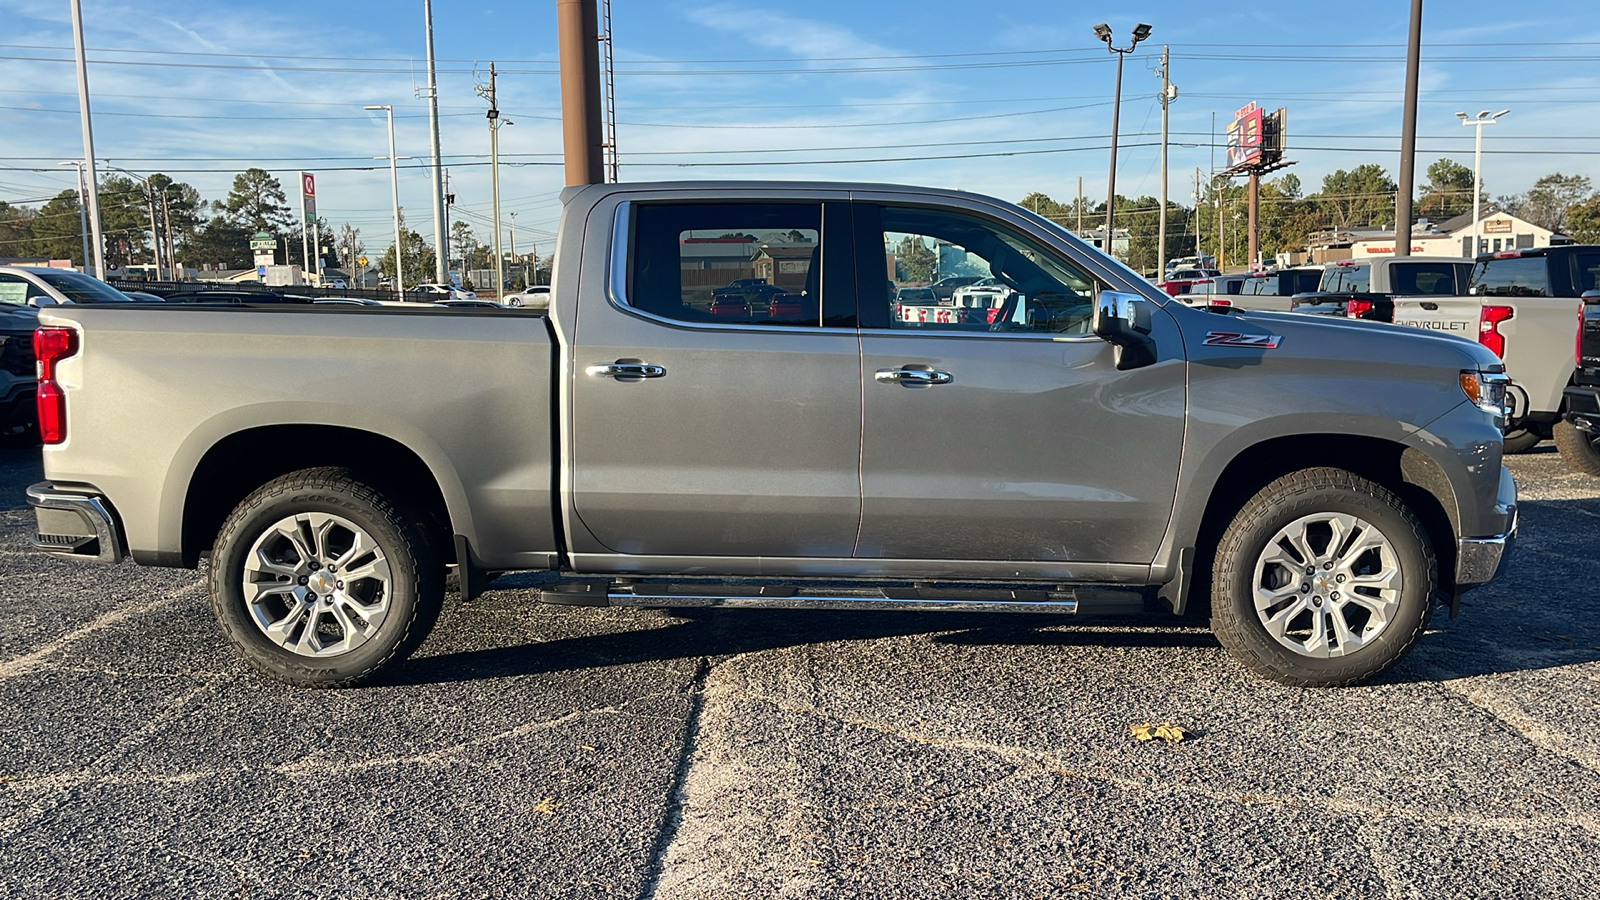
17, 385
230, 297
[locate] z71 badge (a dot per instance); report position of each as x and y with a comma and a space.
1235, 339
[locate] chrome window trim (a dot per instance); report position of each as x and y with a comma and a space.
617, 284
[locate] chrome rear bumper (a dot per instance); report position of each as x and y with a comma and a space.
75, 524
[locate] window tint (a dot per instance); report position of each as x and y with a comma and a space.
1520, 276
728, 263
1586, 271
1423, 278
81, 288
1019, 285
1352, 279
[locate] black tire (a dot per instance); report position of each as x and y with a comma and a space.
1579, 448
1521, 441
411, 592
1280, 506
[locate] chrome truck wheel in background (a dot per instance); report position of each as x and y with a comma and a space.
320, 580
1323, 578
317, 584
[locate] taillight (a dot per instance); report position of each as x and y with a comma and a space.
50, 346
1355, 309
1577, 346
1489, 319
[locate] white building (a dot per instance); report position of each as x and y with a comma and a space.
1497, 230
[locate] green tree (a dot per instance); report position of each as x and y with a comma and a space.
467, 249
914, 260
1547, 202
1448, 191
1583, 220
220, 241
16, 229
56, 230
418, 258
124, 222
257, 201
1363, 196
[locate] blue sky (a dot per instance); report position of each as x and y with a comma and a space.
1000, 99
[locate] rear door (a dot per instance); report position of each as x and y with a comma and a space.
727, 429
1007, 434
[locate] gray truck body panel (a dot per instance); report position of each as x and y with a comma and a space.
767, 450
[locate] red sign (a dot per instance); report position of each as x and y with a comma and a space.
308, 185
1244, 136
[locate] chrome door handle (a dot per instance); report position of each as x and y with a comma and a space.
626, 370
912, 377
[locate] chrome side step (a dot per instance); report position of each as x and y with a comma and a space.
918, 598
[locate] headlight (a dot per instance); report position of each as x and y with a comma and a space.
1487, 391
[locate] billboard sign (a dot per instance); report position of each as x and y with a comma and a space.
308, 197
1244, 137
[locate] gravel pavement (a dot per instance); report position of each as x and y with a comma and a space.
533, 751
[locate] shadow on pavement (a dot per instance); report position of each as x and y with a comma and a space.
19, 467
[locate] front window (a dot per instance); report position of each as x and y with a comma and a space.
1017, 285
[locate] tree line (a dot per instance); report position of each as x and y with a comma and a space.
1288, 217
141, 218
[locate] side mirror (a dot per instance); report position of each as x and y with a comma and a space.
1123, 320
1591, 298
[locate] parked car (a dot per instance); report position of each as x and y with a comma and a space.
1525, 306
1336, 478
917, 296
17, 407
439, 291
985, 293
41, 286
144, 297
227, 296
1578, 436
461, 304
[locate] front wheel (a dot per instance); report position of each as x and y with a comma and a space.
320, 581
1578, 447
1323, 579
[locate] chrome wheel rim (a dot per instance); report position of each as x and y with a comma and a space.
317, 584
1327, 584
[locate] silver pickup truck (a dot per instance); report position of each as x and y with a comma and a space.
1089, 445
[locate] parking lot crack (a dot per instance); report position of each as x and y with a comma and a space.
672, 816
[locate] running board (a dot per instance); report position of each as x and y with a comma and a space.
1094, 600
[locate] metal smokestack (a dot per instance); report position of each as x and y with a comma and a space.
578, 32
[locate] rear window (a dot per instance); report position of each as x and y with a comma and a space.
1423, 278
1586, 271
1514, 276
1352, 279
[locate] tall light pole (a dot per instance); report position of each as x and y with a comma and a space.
1169, 92
1408, 137
440, 259
88, 142
1103, 32
514, 246
394, 192
83, 216
1483, 118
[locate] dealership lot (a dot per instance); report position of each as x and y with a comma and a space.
529, 750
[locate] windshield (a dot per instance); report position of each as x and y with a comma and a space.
80, 288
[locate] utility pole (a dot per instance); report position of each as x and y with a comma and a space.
1080, 206
1168, 94
83, 218
440, 259
1199, 248
93, 195
494, 178
172, 247
1254, 207
581, 132
1408, 137
514, 246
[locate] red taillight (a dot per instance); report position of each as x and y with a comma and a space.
1355, 309
51, 345
1577, 346
1489, 319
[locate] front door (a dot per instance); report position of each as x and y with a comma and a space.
716, 398
999, 428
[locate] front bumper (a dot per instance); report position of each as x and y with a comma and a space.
75, 524
1480, 560
1583, 407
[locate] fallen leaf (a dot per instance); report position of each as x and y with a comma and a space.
546, 806
1166, 731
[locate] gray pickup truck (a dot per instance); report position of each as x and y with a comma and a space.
1088, 445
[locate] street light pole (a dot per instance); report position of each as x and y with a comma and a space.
93, 195
1483, 118
1103, 32
83, 216
394, 193
1408, 136
514, 246
440, 262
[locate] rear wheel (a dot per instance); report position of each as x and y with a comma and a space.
1579, 448
1323, 579
320, 580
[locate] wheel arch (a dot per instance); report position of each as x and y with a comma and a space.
245, 460
1411, 473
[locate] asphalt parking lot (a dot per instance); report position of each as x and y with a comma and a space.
537, 751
